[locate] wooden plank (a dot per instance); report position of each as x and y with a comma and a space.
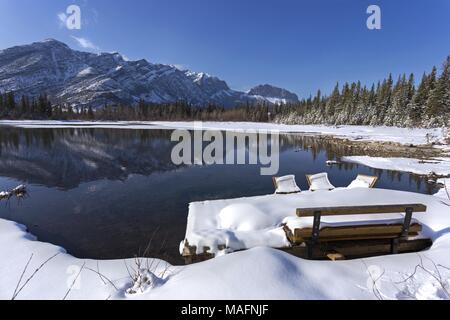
355, 210
348, 249
335, 256
374, 179
352, 232
359, 248
274, 181
308, 179
355, 249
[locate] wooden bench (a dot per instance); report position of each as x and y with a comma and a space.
394, 232
371, 180
275, 184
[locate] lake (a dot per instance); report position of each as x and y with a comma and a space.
109, 193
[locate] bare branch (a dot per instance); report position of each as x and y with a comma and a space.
102, 276
34, 273
21, 276
74, 281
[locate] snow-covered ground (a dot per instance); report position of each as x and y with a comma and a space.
363, 133
439, 166
444, 191
258, 273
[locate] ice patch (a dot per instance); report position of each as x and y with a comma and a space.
439, 166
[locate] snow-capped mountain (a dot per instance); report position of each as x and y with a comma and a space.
273, 94
80, 78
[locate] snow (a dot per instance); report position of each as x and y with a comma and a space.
244, 217
258, 273
273, 100
320, 182
358, 183
439, 166
256, 223
342, 221
287, 184
444, 191
55, 64
265, 215
415, 136
362, 181
85, 72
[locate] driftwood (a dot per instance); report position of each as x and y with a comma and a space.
19, 192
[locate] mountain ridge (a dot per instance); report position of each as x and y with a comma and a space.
78, 78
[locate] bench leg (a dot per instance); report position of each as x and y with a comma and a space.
394, 246
407, 222
405, 230
315, 234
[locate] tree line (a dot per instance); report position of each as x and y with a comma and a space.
41, 108
389, 102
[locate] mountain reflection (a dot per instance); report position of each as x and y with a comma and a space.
65, 158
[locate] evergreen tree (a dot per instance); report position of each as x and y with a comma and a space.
417, 106
24, 107
431, 108
90, 113
10, 102
2, 107
333, 102
438, 103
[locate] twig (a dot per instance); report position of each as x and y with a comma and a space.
21, 276
74, 281
375, 289
34, 273
149, 245
102, 276
446, 189
444, 267
128, 270
435, 275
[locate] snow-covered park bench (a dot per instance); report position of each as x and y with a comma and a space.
320, 182
350, 223
340, 239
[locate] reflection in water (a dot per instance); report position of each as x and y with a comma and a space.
65, 158
101, 193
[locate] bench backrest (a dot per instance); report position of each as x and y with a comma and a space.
317, 213
372, 180
355, 210
274, 180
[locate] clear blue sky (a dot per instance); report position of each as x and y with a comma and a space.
299, 45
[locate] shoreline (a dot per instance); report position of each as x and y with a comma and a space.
407, 136
360, 144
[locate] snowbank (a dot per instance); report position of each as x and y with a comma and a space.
408, 136
438, 166
414, 136
259, 273
444, 191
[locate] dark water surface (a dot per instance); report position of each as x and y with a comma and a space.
104, 193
